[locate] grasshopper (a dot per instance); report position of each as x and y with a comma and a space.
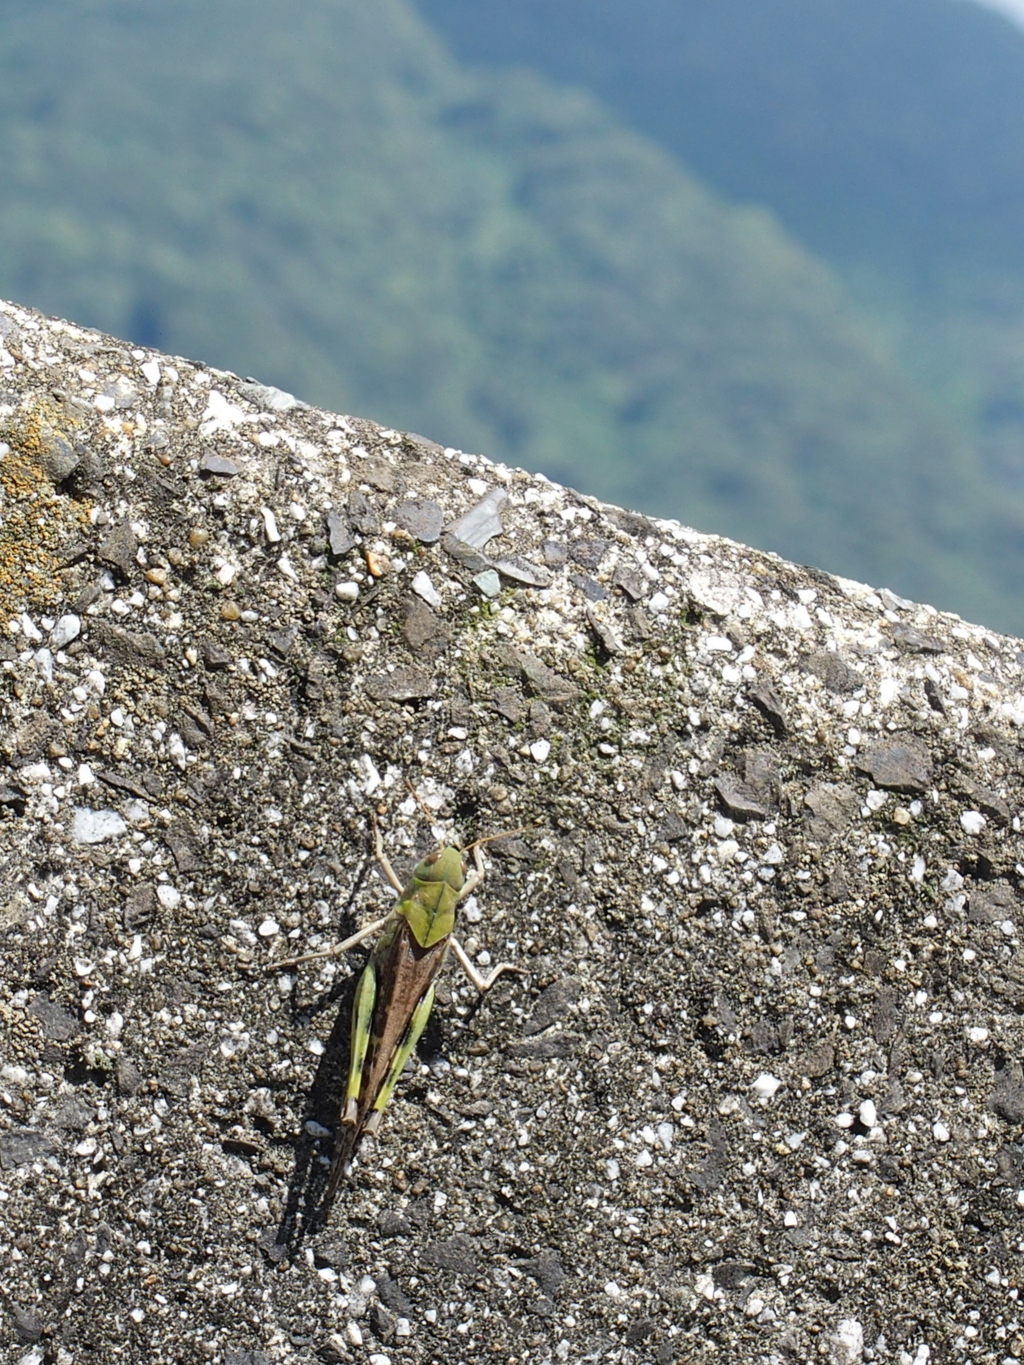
396, 990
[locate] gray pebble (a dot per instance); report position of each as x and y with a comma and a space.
488, 582
19, 1146
482, 522
422, 519
902, 765
219, 464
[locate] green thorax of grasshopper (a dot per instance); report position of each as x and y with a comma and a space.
429, 898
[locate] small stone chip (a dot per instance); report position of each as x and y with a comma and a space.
589, 587
848, 1343
423, 587
465, 554
119, 549
916, 641
379, 474
270, 528
482, 522
421, 518
972, 821
58, 1023
765, 1086
215, 656
270, 398
340, 535
68, 628
218, 464
520, 570
422, 630
738, 800
904, 765
19, 1146
488, 582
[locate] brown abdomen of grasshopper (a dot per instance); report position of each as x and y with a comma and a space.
403, 974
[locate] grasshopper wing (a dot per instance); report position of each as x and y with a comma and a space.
390, 1011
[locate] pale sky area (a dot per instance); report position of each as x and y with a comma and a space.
1013, 8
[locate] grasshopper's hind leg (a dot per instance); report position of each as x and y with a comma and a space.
362, 1017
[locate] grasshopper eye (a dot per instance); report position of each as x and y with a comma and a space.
432, 858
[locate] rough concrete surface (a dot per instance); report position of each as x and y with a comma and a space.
759, 1096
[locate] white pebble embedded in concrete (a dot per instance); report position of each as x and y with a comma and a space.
423, 587
67, 629
847, 1344
868, 1114
766, 1086
95, 826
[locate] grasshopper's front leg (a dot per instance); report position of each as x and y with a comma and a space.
382, 859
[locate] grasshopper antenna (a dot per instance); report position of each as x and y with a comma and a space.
491, 838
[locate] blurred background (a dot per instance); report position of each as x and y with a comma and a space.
755, 264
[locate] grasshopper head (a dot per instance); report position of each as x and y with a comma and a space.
445, 865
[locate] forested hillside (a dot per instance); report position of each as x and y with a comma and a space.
323, 198
886, 135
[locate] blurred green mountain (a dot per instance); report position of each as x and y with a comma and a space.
886, 135
321, 196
